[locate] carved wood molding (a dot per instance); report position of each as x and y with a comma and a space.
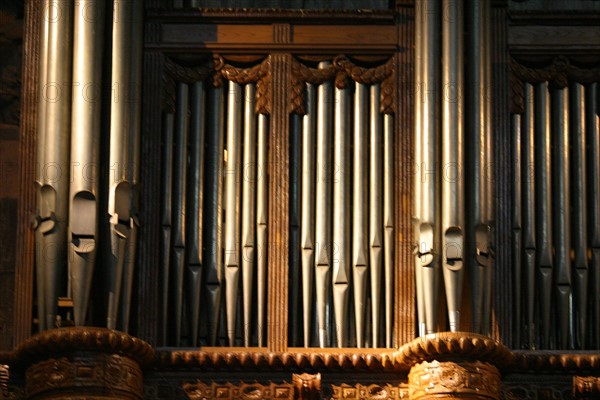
243, 391
475, 380
555, 362
275, 362
48, 344
369, 392
586, 387
559, 72
343, 70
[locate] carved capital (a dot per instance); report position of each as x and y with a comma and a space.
84, 362
451, 346
471, 380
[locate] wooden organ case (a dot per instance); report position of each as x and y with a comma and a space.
273, 238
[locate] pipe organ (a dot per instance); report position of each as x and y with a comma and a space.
554, 128
452, 194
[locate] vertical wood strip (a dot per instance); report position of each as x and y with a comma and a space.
278, 222
23, 300
502, 321
405, 307
150, 168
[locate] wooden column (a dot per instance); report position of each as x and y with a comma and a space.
278, 223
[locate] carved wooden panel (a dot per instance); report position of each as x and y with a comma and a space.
243, 391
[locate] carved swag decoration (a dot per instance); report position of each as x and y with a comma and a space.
343, 70
559, 72
219, 71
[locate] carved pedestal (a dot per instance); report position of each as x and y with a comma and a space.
84, 364
454, 366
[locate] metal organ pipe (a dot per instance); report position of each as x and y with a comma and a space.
452, 161
85, 146
341, 213
232, 206
543, 227
248, 177
307, 212
54, 190
360, 255
323, 207
194, 213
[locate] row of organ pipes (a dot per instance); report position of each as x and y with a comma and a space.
69, 195
214, 217
556, 216
452, 158
342, 215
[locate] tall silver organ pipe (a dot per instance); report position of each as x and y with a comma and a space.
417, 165
136, 37
543, 218
428, 229
212, 213
577, 144
85, 149
54, 151
341, 215
39, 178
194, 212
452, 202
324, 139
528, 211
360, 254
248, 178
166, 218
376, 184
307, 212
232, 206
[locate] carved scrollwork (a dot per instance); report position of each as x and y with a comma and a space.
559, 72
370, 392
243, 391
431, 379
344, 71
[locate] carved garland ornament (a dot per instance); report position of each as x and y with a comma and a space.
220, 71
559, 73
343, 70
586, 387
